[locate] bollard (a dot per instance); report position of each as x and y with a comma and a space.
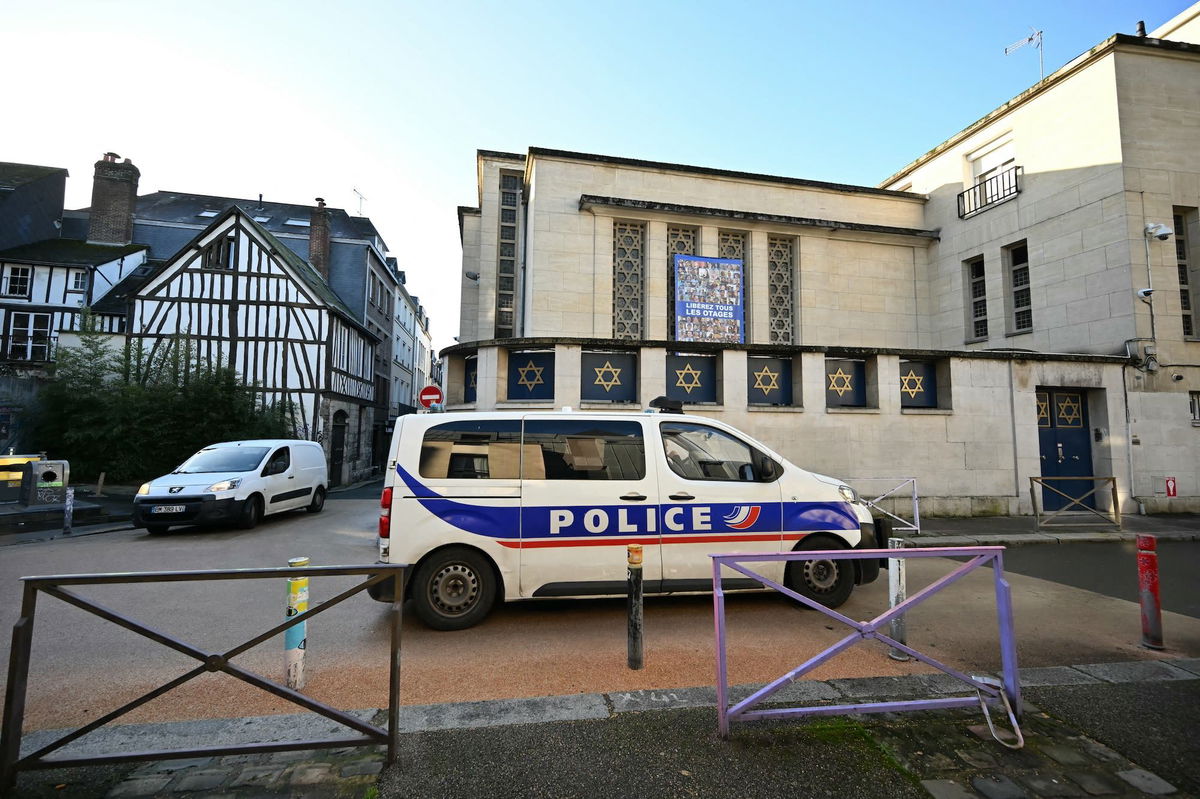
100, 485
898, 591
295, 638
634, 604
68, 510
1147, 565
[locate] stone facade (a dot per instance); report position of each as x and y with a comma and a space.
1008, 261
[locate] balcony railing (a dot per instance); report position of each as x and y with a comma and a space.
992, 191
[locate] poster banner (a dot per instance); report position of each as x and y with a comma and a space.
708, 299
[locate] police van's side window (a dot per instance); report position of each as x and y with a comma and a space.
487, 449
699, 452
579, 449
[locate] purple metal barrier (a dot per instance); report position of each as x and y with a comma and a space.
1007, 693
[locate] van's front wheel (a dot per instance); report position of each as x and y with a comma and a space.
252, 512
828, 582
454, 589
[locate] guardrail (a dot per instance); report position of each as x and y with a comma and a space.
987, 690
1112, 517
898, 522
11, 761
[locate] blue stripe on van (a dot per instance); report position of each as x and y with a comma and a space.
584, 521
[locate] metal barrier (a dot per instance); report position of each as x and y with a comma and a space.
1114, 517
899, 523
1006, 692
11, 761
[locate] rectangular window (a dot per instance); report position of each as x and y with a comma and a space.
507, 238
77, 280
781, 288
680, 241
845, 383
1185, 287
977, 322
29, 337
584, 450
1016, 258
16, 281
1194, 399
218, 254
700, 452
629, 265
473, 450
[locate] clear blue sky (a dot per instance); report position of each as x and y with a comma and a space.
303, 99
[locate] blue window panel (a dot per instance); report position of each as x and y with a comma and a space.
608, 377
692, 378
769, 381
531, 375
471, 380
845, 384
918, 384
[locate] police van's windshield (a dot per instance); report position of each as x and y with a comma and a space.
223, 459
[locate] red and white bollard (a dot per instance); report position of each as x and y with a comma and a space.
1147, 563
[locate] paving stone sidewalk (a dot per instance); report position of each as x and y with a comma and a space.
641, 742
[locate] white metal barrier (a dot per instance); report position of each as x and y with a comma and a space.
899, 524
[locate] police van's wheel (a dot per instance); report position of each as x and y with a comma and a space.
318, 501
252, 511
454, 589
828, 582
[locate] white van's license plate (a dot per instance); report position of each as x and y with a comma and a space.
168, 509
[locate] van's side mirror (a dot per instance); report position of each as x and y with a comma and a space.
768, 470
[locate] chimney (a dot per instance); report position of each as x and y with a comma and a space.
318, 239
1141, 28
114, 195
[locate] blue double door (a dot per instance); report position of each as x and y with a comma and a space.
1066, 446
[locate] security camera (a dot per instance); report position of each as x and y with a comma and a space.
471, 275
1176, 378
1145, 293
1157, 230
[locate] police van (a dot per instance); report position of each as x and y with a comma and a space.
488, 506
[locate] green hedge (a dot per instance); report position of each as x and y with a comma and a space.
137, 414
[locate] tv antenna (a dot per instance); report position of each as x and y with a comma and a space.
360, 199
1035, 39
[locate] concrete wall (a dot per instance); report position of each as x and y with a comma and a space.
973, 457
852, 287
1071, 212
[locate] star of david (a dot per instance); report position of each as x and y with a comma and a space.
694, 382
614, 378
766, 381
474, 375
912, 384
1043, 408
525, 379
840, 382
1068, 410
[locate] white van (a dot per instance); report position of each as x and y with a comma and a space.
517, 505
236, 482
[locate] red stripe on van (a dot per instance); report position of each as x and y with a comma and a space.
612, 542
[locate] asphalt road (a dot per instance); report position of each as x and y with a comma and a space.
83, 665
1111, 570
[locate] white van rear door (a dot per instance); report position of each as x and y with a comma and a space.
713, 502
588, 490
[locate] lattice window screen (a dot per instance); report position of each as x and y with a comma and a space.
629, 266
780, 289
680, 241
732, 244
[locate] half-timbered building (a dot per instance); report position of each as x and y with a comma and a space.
238, 297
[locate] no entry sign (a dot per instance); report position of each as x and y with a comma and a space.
430, 395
